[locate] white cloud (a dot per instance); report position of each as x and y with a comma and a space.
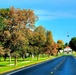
42, 12
49, 15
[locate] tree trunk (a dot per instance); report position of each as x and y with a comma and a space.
43, 55
5, 56
15, 61
49, 55
23, 57
10, 58
37, 57
32, 56
0, 58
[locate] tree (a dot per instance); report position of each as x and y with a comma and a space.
19, 43
3, 15
20, 19
60, 44
16, 22
1, 24
4, 12
72, 43
4, 37
39, 39
49, 43
55, 51
24, 46
66, 44
2, 52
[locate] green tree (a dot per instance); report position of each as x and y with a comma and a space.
72, 43
3, 15
66, 44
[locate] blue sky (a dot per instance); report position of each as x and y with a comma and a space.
59, 16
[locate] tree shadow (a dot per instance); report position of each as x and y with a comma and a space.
2, 65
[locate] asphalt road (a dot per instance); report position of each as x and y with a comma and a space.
65, 65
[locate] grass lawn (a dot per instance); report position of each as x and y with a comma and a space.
5, 66
74, 53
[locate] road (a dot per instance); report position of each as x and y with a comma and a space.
65, 65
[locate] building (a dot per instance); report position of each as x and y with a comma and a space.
67, 50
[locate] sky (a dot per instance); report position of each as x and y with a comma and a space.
58, 16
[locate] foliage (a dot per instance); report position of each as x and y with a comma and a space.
66, 44
49, 43
16, 23
19, 36
55, 50
72, 43
60, 44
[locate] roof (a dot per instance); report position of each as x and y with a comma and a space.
67, 49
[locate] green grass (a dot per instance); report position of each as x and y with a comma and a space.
63, 54
5, 66
74, 53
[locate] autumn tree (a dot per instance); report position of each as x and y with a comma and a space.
60, 44
49, 43
55, 50
39, 39
20, 19
16, 24
18, 34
